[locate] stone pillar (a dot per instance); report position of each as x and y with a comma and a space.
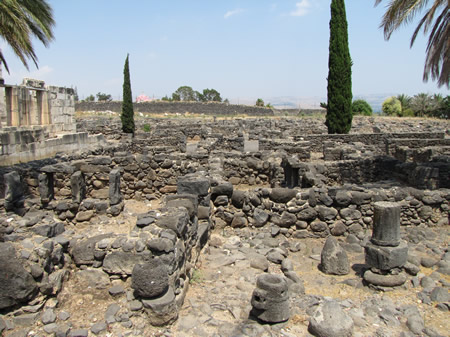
196, 184
12, 107
115, 195
46, 187
386, 254
23, 100
78, 186
386, 224
14, 191
45, 108
34, 108
270, 299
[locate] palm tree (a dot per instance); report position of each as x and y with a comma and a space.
436, 21
422, 104
405, 101
22, 20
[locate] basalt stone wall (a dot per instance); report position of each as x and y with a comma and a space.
319, 212
383, 142
178, 107
431, 175
157, 255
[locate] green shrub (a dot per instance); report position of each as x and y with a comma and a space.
392, 107
146, 127
361, 107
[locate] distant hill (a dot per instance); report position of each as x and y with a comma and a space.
313, 102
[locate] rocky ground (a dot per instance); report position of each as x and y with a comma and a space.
220, 290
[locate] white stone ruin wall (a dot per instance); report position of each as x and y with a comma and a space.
62, 108
2, 108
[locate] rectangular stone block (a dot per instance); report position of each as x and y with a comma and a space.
251, 145
386, 258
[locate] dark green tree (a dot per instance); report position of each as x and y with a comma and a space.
102, 97
90, 98
361, 107
443, 111
339, 105
185, 93
210, 95
259, 102
127, 116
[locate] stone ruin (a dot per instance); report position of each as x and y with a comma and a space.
38, 121
275, 176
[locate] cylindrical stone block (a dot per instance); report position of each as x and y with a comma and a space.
386, 224
270, 299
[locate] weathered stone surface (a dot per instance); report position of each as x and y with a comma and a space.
121, 263
175, 219
161, 245
223, 188
287, 220
318, 226
150, 279
58, 168
384, 280
49, 230
83, 250
239, 221
270, 299
282, 195
339, 228
161, 310
260, 217
14, 190
386, 224
386, 258
359, 198
193, 184
440, 294
333, 259
16, 284
238, 199
46, 187
327, 213
343, 198
188, 201
259, 261
329, 320
307, 214
350, 214
115, 194
78, 186
84, 215
93, 278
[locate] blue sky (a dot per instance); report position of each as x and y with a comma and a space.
243, 49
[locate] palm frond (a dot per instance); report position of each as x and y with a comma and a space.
20, 21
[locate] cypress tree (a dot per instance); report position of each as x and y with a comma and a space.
127, 116
339, 106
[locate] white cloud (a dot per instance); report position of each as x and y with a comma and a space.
41, 73
301, 8
233, 12
16, 77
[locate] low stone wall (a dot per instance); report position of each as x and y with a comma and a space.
319, 212
157, 255
383, 142
211, 109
